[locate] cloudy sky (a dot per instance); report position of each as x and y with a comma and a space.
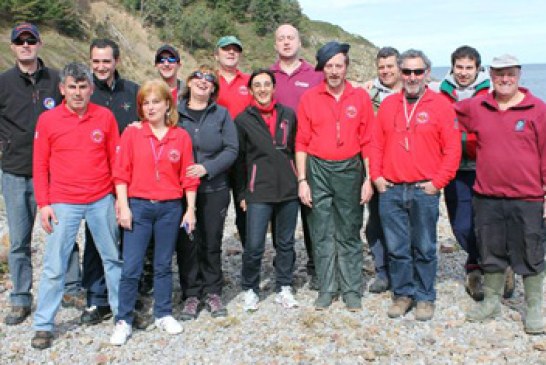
438, 27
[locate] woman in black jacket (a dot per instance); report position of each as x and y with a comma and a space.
266, 184
214, 140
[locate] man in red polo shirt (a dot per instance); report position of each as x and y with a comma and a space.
415, 152
334, 121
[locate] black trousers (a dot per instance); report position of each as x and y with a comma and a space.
200, 259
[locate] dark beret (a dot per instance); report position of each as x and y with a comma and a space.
328, 51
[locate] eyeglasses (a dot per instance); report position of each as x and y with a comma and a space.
29, 41
166, 59
416, 72
203, 76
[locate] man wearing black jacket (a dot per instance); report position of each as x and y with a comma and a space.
26, 90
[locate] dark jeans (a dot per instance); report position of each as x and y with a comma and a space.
200, 260
335, 222
376, 239
162, 220
93, 273
510, 232
409, 218
458, 195
258, 217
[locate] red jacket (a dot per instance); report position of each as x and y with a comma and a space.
429, 149
73, 155
136, 163
234, 96
334, 130
511, 161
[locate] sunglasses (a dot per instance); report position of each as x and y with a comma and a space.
203, 76
416, 72
29, 41
166, 59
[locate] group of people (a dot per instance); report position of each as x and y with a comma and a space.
150, 168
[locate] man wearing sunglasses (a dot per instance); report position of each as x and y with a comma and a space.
167, 64
26, 90
509, 200
415, 153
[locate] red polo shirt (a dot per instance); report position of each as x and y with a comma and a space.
234, 96
511, 149
152, 168
74, 155
331, 129
429, 149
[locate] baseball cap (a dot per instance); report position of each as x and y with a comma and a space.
328, 51
504, 61
227, 40
169, 49
24, 28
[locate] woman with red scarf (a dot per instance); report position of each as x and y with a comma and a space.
266, 184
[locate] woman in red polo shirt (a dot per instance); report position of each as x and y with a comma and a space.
150, 178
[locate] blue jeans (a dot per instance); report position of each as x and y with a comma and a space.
162, 219
21, 212
258, 216
409, 217
101, 219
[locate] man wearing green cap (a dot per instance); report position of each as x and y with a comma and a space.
334, 125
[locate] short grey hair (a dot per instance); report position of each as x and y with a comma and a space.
79, 71
387, 52
414, 53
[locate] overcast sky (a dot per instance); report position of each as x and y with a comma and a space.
438, 27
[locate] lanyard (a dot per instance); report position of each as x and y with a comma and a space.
157, 156
337, 116
409, 117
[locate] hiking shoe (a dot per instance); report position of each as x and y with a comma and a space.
215, 306
474, 285
378, 285
95, 315
285, 298
353, 302
169, 325
191, 307
122, 331
323, 301
399, 307
424, 311
509, 283
77, 300
17, 315
250, 301
42, 340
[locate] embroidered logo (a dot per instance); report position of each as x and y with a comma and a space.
174, 155
97, 136
350, 111
126, 106
520, 125
301, 84
49, 103
422, 118
243, 90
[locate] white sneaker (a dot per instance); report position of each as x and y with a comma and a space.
169, 325
251, 301
122, 331
285, 298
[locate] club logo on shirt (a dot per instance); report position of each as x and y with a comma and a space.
118, 149
174, 155
126, 106
422, 118
350, 111
49, 103
97, 136
520, 125
243, 90
301, 84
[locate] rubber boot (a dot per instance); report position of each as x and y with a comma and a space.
533, 324
493, 284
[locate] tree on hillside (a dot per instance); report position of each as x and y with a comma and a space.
269, 14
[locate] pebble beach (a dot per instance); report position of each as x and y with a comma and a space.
275, 335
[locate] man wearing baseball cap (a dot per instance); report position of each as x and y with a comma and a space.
334, 124
26, 90
167, 63
509, 205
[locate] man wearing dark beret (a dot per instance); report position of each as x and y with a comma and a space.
334, 127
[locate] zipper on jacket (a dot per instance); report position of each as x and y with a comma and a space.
252, 178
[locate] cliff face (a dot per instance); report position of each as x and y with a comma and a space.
139, 42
